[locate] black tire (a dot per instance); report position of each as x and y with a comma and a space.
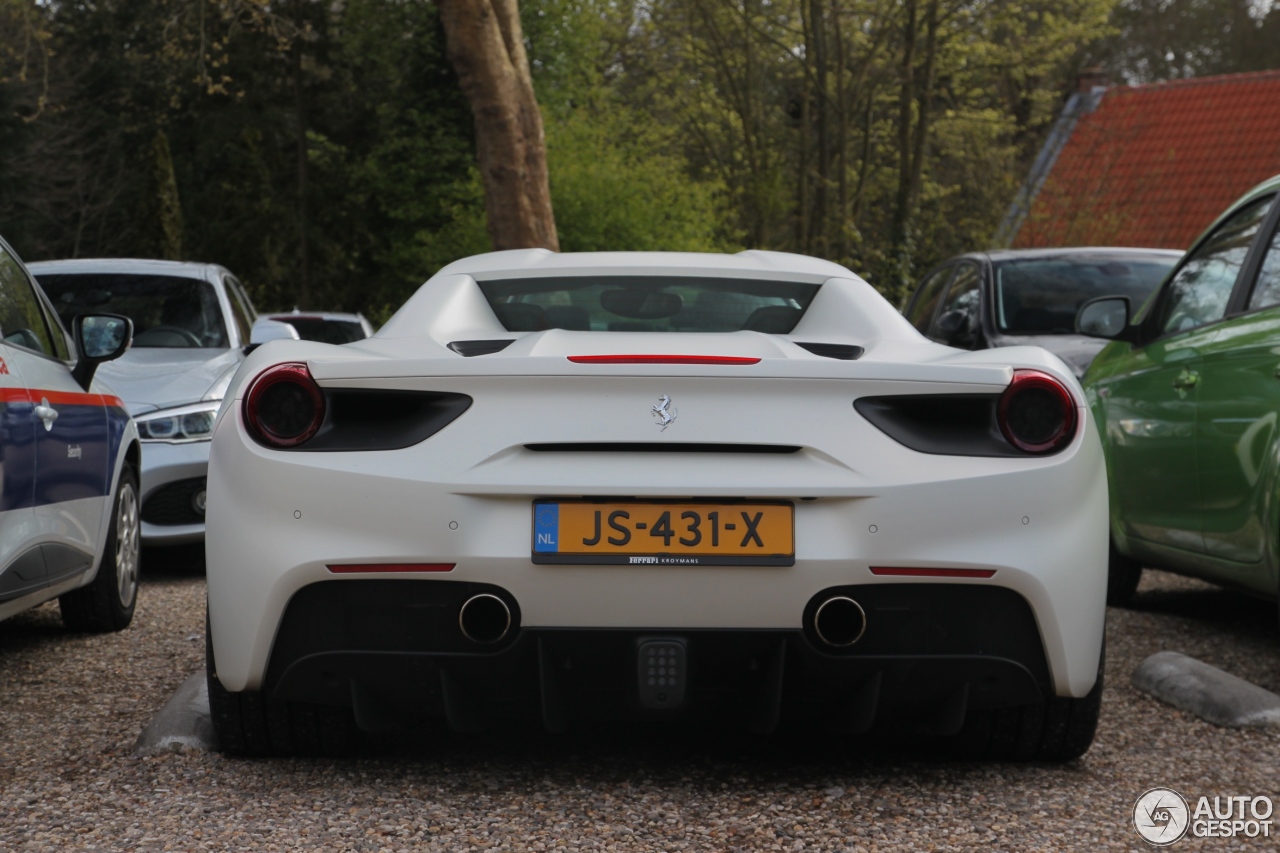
1123, 574
108, 602
251, 723
1060, 729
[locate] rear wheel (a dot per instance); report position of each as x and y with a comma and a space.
1059, 729
1123, 574
252, 723
107, 603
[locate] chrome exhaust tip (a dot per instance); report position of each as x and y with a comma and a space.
839, 622
484, 618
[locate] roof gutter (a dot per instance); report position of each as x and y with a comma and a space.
1080, 104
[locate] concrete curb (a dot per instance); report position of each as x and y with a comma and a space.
183, 724
1212, 695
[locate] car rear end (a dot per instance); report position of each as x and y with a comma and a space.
529, 534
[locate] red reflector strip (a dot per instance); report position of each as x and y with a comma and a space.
58, 398
359, 568
931, 573
662, 359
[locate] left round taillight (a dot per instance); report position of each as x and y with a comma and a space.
284, 406
1037, 413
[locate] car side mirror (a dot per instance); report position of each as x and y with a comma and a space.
270, 330
99, 338
1105, 317
953, 326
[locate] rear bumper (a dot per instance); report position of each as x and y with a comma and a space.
393, 651
466, 496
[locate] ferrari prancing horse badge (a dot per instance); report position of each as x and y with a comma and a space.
664, 412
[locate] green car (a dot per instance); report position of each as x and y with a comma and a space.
1187, 401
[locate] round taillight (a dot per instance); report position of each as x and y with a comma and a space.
284, 406
1036, 412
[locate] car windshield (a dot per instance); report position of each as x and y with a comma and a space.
1040, 296
325, 331
648, 303
167, 311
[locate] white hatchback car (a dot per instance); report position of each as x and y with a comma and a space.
660, 487
69, 457
192, 324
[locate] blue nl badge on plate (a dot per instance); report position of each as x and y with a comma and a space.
546, 528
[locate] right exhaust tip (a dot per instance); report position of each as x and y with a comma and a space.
839, 622
484, 618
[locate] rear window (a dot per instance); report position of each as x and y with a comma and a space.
648, 303
325, 331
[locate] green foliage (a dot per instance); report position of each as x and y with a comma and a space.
1168, 39
616, 185
798, 107
324, 153
361, 93
619, 180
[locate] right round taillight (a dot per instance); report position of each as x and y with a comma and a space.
284, 406
1036, 413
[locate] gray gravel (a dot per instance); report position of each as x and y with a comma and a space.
71, 707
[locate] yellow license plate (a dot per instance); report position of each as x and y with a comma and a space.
664, 533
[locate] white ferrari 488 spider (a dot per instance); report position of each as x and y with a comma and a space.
655, 486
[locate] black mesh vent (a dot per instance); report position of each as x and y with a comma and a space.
172, 504
944, 424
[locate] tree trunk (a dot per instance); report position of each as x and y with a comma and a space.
842, 139
818, 243
303, 293
804, 213
170, 204
906, 97
486, 47
924, 109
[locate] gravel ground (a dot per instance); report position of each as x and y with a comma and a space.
71, 707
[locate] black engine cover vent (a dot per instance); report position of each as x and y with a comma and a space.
472, 348
844, 352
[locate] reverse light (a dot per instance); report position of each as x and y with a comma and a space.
1036, 413
663, 359
284, 406
180, 424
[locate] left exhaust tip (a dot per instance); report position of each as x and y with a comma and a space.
484, 618
839, 622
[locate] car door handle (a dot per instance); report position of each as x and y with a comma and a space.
46, 413
1186, 379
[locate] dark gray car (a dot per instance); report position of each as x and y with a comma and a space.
1030, 296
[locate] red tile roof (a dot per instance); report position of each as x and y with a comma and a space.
1155, 165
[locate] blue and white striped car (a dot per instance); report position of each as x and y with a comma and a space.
69, 461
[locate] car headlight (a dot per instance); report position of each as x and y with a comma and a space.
184, 423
